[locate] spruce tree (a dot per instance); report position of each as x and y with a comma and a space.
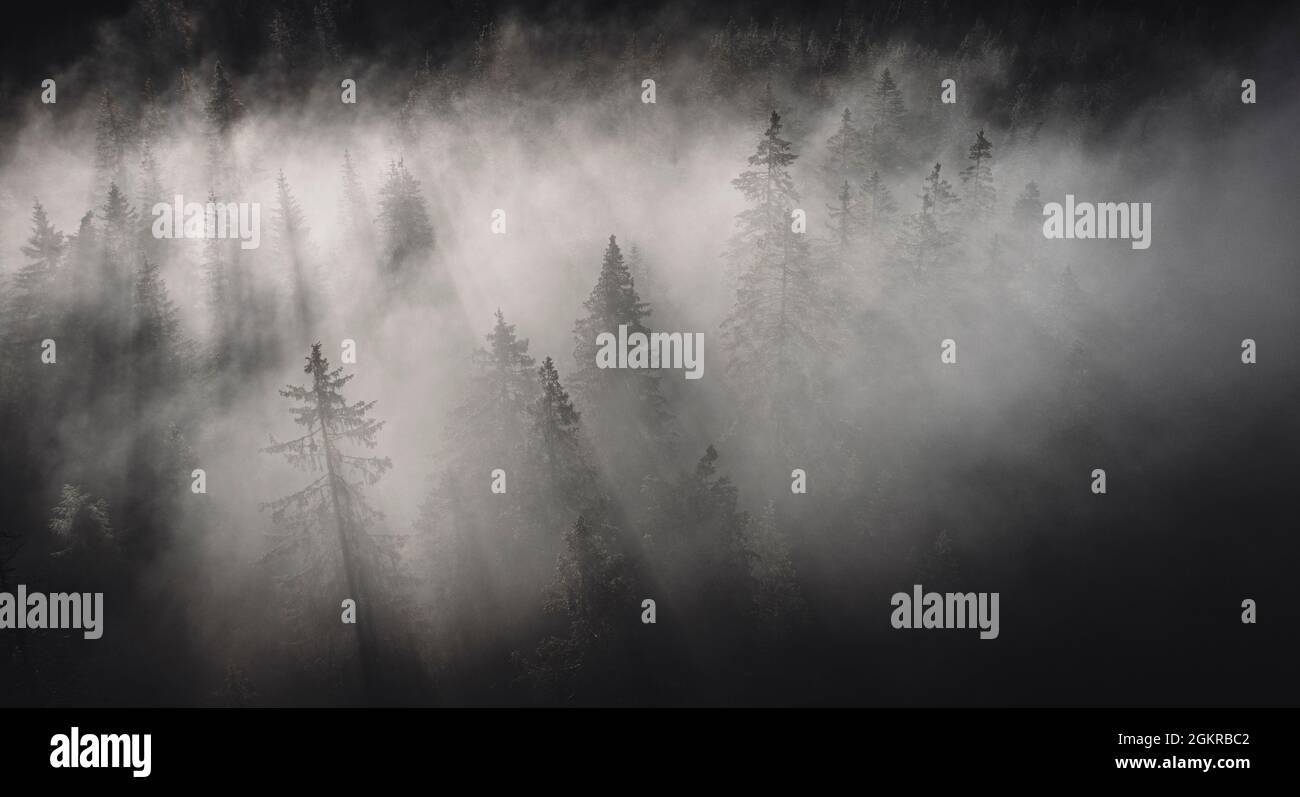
323, 536
594, 595
878, 206
627, 410
153, 119
779, 605
112, 141
846, 219
32, 302
784, 320
704, 542
221, 294
222, 111
1029, 205
889, 116
846, 154
557, 447
977, 178
471, 534
289, 232
353, 207
223, 108
888, 107
492, 421
404, 221
928, 235
151, 192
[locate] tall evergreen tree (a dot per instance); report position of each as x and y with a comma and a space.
783, 321
404, 221
981, 196
625, 405
221, 294
32, 302
779, 605
928, 235
323, 531
153, 118
878, 205
888, 107
112, 141
493, 420
222, 111
353, 207
846, 154
846, 219
1029, 205
151, 192
594, 594
889, 118
290, 237
559, 450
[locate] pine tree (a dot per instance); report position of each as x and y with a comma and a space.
153, 118
492, 421
846, 154
704, 542
557, 443
594, 595
290, 236
778, 602
119, 252
223, 108
404, 222
119, 224
112, 140
888, 106
156, 454
327, 32
157, 347
628, 411
354, 209
81, 528
222, 111
981, 196
222, 298
889, 115
151, 193
1029, 205
640, 271
783, 321
322, 535
928, 235
878, 205
845, 218
32, 302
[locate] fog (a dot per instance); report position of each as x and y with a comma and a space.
973, 475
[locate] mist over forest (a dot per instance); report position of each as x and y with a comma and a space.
395, 397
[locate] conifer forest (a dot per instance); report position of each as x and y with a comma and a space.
554, 354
